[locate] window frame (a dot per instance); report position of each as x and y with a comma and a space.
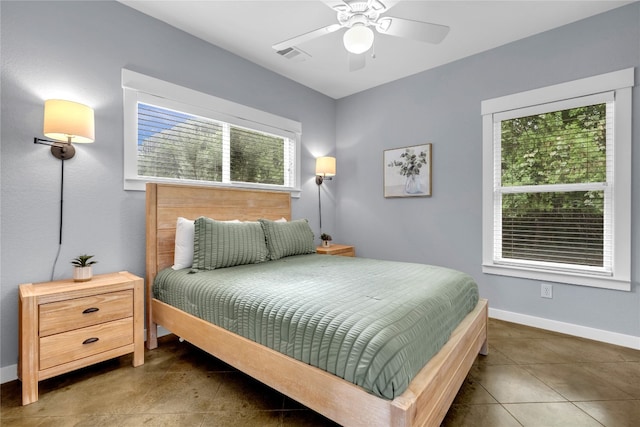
141, 88
620, 83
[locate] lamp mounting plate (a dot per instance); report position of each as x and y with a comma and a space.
63, 151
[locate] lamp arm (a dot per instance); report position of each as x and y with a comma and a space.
321, 178
48, 142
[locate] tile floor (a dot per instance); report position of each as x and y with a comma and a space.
530, 378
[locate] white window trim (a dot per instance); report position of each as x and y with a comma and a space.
142, 88
621, 82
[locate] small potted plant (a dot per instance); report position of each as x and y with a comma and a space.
326, 239
82, 270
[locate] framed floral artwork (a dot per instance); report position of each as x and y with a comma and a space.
407, 171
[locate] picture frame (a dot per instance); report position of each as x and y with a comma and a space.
407, 171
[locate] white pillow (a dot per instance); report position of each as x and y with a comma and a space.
183, 250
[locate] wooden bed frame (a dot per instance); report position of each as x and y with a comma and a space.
424, 403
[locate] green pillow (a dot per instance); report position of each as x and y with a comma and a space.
218, 244
288, 238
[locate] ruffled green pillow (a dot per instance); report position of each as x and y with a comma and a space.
288, 238
218, 244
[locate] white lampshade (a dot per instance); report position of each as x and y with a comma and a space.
68, 121
358, 39
326, 166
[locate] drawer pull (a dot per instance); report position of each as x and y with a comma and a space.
90, 340
90, 310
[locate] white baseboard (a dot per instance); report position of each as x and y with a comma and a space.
10, 373
161, 332
567, 328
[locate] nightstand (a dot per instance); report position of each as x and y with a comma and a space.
342, 250
66, 325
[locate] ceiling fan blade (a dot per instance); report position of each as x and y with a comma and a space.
357, 62
408, 28
306, 37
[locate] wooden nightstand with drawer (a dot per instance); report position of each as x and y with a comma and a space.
342, 250
66, 325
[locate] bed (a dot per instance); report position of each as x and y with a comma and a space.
427, 397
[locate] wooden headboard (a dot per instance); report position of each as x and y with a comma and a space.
166, 202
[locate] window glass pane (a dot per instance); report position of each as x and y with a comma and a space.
178, 145
257, 157
561, 147
565, 227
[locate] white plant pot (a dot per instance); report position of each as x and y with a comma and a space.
326, 243
82, 274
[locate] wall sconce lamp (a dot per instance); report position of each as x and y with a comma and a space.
66, 122
325, 169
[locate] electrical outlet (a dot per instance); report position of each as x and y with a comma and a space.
546, 290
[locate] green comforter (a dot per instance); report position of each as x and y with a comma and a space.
373, 323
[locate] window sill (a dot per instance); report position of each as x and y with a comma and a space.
558, 277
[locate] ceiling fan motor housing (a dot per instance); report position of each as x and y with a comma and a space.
359, 13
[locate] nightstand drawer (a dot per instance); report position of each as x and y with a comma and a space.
78, 313
77, 344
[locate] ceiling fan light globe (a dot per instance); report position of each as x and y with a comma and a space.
358, 39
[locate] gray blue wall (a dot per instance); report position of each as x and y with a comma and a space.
76, 50
442, 106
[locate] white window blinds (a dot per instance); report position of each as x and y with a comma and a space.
182, 146
553, 186
177, 145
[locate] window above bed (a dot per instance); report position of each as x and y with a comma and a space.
557, 182
176, 134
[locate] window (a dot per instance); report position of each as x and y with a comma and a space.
175, 134
557, 182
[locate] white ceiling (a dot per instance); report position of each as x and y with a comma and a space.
250, 28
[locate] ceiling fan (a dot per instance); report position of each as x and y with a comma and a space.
358, 17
